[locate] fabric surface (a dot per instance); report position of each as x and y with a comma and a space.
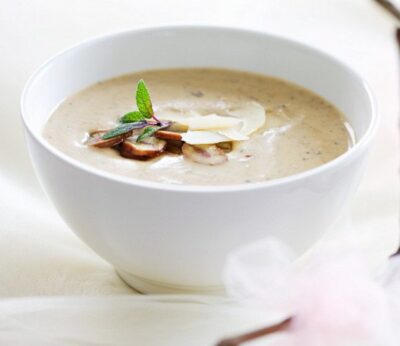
123, 321
40, 256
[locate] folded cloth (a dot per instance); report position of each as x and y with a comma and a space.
122, 321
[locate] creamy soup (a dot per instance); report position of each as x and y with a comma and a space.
301, 130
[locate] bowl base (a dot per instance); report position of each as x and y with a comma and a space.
146, 286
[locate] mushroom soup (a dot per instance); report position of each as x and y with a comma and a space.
200, 127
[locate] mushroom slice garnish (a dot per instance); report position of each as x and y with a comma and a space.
146, 149
177, 127
163, 134
225, 146
174, 147
95, 139
205, 154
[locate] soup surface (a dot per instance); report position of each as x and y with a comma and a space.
301, 129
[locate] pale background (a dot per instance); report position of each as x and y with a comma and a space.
39, 255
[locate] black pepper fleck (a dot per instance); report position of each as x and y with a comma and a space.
197, 93
254, 98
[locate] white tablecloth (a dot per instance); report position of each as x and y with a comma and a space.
39, 255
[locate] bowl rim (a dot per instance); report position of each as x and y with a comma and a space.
350, 154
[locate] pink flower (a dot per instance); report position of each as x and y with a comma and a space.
333, 298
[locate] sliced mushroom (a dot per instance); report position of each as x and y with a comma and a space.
225, 146
174, 147
169, 135
177, 127
146, 149
95, 139
204, 154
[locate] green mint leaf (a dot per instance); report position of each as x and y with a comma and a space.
143, 100
123, 128
147, 132
132, 117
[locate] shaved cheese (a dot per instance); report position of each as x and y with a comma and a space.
253, 116
203, 137
202, 122
211, 122
214, 128
233, 134
212, 137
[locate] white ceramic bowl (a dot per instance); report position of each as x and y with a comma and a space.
175, 238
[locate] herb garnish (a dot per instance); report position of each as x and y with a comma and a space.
138, 119
124, 128
132, 117
143, 100
151, 130
147, 132
131, 144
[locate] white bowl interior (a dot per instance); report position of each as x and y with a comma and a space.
126, 52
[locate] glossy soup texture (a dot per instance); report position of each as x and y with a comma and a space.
301, 131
